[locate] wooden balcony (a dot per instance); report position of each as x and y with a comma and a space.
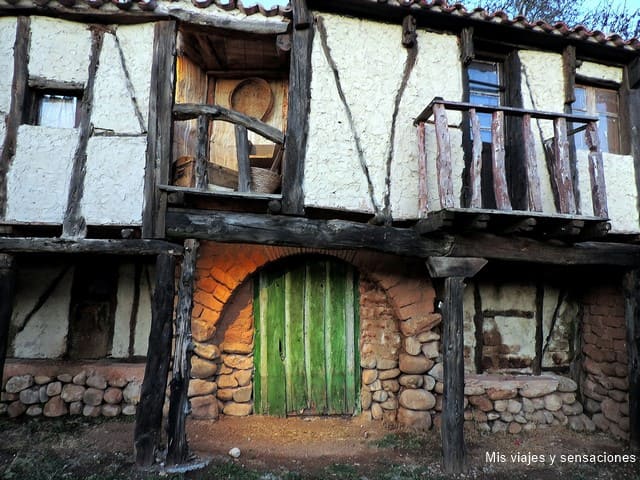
508, 170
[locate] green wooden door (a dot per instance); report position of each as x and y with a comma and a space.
306, 339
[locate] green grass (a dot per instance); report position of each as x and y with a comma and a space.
406, 441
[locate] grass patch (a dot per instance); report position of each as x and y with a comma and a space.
406, 441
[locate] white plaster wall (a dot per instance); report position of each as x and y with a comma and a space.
542, 89
38, 181
114, 107
143, 322
114, 182
59, 49
45, 334
598, 71
334, 177
122, 331
7, 40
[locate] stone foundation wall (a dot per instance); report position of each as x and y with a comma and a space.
59, 389
605, 385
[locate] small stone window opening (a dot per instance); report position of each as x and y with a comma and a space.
53, 108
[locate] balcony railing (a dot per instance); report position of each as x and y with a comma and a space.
246, 177
557, 150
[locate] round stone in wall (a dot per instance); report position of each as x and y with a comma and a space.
415, 399
18, 383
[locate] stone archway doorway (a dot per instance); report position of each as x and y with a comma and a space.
306, 312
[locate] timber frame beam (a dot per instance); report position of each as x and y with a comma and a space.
631, 289
27, 245
7, 286
236, 227
453, 271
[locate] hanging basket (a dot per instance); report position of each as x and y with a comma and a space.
264, 180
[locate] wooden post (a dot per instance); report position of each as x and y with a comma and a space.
423, 202
631, 288
562, 167
202, 153
453, 271
596, 173
531, 165
7, 285
160, 128
244, 164
177, 446
475, 174
500, 188
443, 160
147, 433
299, 105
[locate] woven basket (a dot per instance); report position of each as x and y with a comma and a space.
264, 180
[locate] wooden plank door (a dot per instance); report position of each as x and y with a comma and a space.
306, 355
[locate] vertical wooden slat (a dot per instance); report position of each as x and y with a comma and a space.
177, 446
7, 288
351, 325
18, 94
244, 165
537, 361
562, 167
202, 153
276, 347
475, 174
531, 165
160, 128
467, 51
147, 433
631, 289
296, 382
423, 202
443, 160
314, 336
498, 162
569, 73
596, 173
335, 337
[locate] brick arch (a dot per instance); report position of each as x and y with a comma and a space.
222, 268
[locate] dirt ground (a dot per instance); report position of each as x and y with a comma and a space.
312, 447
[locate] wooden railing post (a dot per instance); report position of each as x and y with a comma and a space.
500, 188
596, 173
423, 203
202, 154
475, 173
531, 166
242, 154
562, 167
443, 161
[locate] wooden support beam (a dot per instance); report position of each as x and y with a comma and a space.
569, 73
562, 167
467, 50
18, 95
148, 428
7, 287
244, 163
235, 227
202, 154
475, 172
74, 225
160, 128
299, 103
177, 446
631, 289
443, 160
536, 366
500, 188
28, 245
454, 271
423, 202
409, 35
435, 221
596, 173
531, 164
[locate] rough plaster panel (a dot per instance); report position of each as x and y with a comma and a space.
136, 42
143, 319
597, 71
518, 333
124, 305
59, 50
113, 105
468, 309
559, 346
114, 183
511, 296
38, 180
542, 89
7, 39
45, 334
437, 53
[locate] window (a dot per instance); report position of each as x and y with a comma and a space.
602, 102
53, 108
485, 88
